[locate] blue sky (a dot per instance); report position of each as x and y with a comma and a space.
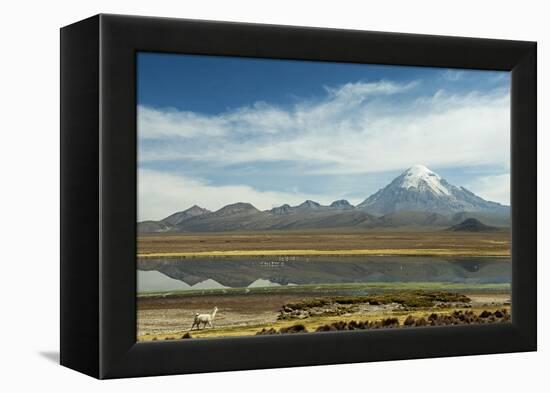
217, 130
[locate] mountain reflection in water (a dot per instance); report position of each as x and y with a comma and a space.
240, 272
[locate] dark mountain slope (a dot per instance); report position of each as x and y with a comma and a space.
472, 225
179, 217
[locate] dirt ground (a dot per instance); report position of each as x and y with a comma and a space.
159, 318
176, 314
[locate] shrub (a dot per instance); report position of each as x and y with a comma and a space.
421, 322
362, 325
353, 325
293, 329
390, 322
265, 331
340, 325
186, 336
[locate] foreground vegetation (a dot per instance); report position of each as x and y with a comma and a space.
419, 318
457, 317
247, 311
405, 299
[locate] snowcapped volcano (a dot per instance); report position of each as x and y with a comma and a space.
420, 189
421, 178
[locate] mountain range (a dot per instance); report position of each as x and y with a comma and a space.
417, 197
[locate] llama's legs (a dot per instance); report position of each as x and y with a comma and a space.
210, 323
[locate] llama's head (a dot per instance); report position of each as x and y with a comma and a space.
215, 309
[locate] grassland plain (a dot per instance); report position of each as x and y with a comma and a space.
426, 243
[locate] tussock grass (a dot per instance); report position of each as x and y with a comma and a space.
457, 317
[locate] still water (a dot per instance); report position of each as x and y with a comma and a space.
167, 274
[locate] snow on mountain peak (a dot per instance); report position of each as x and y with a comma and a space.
420, 189
419, 174
418, 170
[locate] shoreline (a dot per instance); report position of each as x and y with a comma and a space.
327, 289
433, 252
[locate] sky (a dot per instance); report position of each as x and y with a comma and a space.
215, 130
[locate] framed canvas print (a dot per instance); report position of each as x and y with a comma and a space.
296, 196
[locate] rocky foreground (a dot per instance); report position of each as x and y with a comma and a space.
387, 302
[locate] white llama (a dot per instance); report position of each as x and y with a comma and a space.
205, 319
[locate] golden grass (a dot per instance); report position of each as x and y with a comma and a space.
372, 252
436, 243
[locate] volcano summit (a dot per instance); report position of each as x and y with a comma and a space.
420, 189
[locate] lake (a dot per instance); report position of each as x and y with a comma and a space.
168, 274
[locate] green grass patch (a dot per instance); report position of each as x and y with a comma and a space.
336, 289
408, 299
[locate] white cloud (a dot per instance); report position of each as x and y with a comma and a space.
493, 188
170, 123
161, 194
453, 75
360, 91
356, 128
156, 124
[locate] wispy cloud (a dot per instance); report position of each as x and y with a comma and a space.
355, 128
359, 91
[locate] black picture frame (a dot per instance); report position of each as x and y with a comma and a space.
98, 195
